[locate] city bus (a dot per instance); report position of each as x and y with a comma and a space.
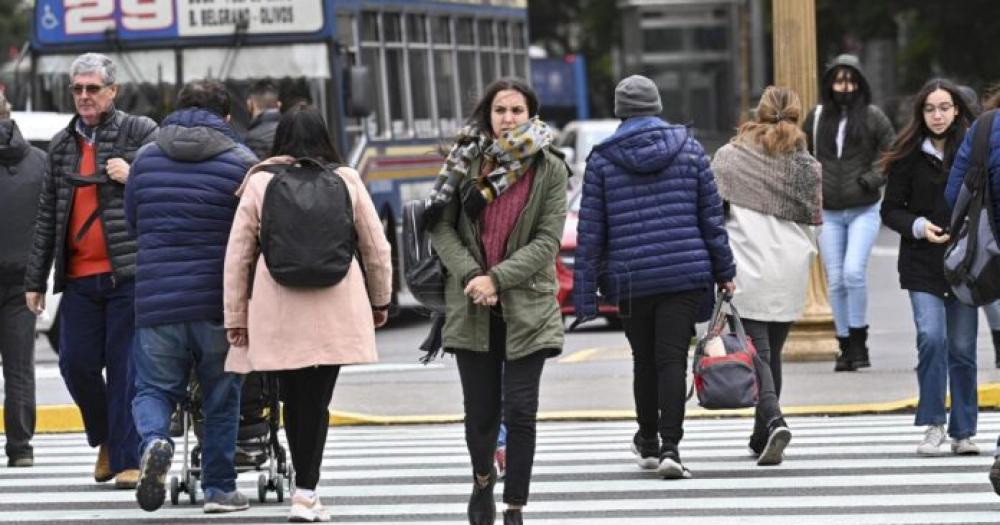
395, 79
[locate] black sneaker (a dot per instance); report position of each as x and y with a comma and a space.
21, 459
647, 451
995, 475
482, 506
150, 491
774, 450
670, 466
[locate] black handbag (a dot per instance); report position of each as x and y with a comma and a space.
423, 270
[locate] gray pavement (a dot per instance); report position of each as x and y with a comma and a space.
594, 372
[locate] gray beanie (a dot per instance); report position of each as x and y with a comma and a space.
637, 96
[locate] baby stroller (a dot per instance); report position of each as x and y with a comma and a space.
257, 446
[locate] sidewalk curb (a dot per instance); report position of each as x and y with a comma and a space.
66, 418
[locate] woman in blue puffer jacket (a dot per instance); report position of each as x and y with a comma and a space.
652, 238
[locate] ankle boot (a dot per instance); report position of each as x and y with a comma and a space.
844, 363
512, 517
858, 342
482, 507
996, 347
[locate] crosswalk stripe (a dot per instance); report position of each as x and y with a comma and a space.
860, 469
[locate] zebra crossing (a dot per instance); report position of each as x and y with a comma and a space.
843, 470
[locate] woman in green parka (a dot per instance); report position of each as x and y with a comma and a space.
499, 208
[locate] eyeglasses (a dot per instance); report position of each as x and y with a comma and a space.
930, 109
91, 89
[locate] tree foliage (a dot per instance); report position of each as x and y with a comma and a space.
14, 16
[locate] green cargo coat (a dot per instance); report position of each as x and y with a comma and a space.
525, 279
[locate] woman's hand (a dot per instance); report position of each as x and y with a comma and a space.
935, 234
237, 336
482, 290
380, 317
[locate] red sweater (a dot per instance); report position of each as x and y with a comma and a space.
89, 256
500, 216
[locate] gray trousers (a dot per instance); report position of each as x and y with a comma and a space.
17, 352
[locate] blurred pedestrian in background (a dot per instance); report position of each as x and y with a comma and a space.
304, 334
500, 206
847, 134
81, 228
773, 189
23, 170
652, 238
917, 166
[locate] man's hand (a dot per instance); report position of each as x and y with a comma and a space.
934, 233
237, 336
35, 301
729, 287
482, 290
118, 170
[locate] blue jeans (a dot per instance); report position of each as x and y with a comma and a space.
845, 242
163, 363
97, 332
946, 353
992, 311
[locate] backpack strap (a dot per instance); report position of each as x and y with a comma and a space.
979, 158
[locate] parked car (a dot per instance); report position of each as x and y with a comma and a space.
578, 138
38, 128
566, 260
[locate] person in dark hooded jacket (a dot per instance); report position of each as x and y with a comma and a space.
22, 171
847, 134
180, 202
652, 238
265, 108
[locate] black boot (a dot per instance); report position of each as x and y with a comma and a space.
482, 507
512, 517
996, 348
859, 347
845, 362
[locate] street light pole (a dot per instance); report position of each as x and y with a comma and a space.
813, 337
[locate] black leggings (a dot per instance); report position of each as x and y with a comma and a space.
306, 393
486, 376
768, 338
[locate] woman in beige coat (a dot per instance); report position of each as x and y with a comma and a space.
304, 334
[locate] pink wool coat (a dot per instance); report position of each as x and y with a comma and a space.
290, 328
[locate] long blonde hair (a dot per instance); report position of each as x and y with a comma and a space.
775, 126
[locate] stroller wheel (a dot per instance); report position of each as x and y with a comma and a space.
279, 488
262, 488
175, 490
192, 488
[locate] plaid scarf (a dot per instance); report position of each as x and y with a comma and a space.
510, 153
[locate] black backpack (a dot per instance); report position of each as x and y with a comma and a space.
424, 272
307, 233
972, 259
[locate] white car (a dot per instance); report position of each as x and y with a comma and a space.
578, 138
38, 128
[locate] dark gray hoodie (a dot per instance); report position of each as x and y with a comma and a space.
22, 170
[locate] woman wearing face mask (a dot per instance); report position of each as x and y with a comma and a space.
847, 135
915, 207
498, 210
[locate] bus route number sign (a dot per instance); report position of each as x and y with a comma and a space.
74, 21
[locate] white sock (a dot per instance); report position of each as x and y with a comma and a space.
305, 493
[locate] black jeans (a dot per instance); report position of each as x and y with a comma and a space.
768, 338
659, 329
17, 350
486, 376
306, 393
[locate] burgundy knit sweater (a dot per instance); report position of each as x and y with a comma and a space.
500, 216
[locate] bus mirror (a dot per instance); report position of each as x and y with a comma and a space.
358, 89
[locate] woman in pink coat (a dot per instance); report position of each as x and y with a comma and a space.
304, 334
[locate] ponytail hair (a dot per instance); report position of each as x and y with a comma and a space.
775, 126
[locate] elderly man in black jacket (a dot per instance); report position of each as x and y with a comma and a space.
81, 228
22, 170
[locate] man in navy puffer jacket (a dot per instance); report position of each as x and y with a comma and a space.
651, 237
180, 202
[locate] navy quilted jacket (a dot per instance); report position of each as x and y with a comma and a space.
963, 158
651, 219
179, 202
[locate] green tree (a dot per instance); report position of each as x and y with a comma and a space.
14, 17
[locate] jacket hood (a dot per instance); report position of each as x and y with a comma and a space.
644, 145
848, 61
13, 147
195, 134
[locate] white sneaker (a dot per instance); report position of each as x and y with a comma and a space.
934, 437
305, 510
964, 447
